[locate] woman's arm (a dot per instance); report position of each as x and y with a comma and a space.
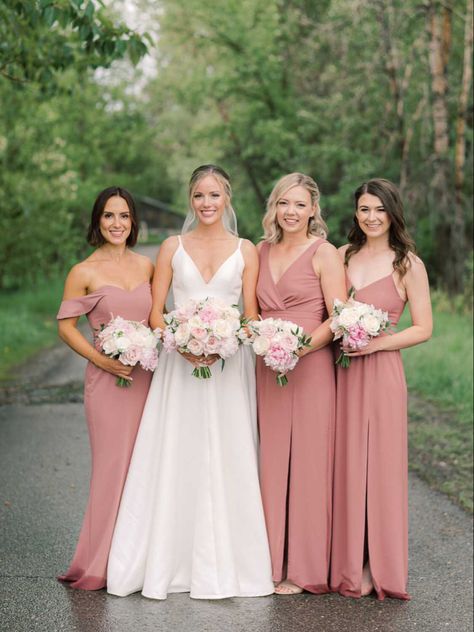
76, 286
249, 280
328, 265
417, 288
162, 281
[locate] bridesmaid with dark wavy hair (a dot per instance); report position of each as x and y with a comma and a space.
113, 280
370, 520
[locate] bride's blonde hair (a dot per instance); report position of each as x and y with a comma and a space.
273, 232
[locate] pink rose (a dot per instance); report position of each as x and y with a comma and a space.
199, 333
195, 347
356, 337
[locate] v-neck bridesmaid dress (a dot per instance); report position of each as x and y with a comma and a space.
296, 425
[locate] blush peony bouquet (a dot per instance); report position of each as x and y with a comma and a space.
278, 342
204, 328
356, 323
131, 343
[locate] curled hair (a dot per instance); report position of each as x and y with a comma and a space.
94, 236
229, 219
399, 239
272, 231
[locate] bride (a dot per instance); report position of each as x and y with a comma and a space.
191, 517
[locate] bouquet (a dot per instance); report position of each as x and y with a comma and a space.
278, 342
204, 328
130, 342
356, 323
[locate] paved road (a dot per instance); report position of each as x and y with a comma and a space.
44, 460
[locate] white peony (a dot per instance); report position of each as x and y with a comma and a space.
348, 317
181, 335
222, 328
261, 345
371, 324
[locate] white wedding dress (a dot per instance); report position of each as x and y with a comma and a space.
191, 517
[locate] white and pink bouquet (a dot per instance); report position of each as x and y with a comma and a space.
204, 328
356, 323
131, 343
278, 342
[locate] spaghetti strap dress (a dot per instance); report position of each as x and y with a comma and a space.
191, 517
371, 471
296, 424
113, 415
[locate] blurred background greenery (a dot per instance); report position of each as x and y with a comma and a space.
139, 92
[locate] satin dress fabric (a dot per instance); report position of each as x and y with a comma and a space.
371, 469
113, 415
296, 424
191, 517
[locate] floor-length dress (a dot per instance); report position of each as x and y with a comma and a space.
371, 472
191, 517
296, 425
113, 415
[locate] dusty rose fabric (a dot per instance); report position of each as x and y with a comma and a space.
113, 416
296, 425
370, 477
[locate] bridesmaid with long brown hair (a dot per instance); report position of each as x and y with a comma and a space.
300, 276
370, 521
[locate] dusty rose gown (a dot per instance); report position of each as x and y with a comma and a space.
113, 416
296, 425
371, 472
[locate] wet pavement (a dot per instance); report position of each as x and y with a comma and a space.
45, 461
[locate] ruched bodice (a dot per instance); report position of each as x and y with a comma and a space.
226, 284
298, 295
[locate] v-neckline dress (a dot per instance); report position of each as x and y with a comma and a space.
296, 426
191, 517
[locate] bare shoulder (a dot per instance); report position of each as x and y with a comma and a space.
249, 251
145, 263
416, 270
168, 247
326, 252
78, 279
259, 246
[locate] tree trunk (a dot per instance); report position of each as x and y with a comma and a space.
458, 229
442, 198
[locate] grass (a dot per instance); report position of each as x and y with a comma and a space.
439, 376
27, 323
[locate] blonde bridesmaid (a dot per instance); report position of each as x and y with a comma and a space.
300, 276
370, 525
112, 280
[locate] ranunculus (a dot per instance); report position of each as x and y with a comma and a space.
198, 332
195, 347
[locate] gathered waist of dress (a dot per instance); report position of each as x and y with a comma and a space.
303, 318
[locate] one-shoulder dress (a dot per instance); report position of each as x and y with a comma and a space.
371, 471
191, 517
113, 416
296, 424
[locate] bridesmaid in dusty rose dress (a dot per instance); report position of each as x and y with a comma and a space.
370, 523
300, 276
113, 280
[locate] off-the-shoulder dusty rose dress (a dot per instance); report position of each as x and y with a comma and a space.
113, 416
296, 425
371, 472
